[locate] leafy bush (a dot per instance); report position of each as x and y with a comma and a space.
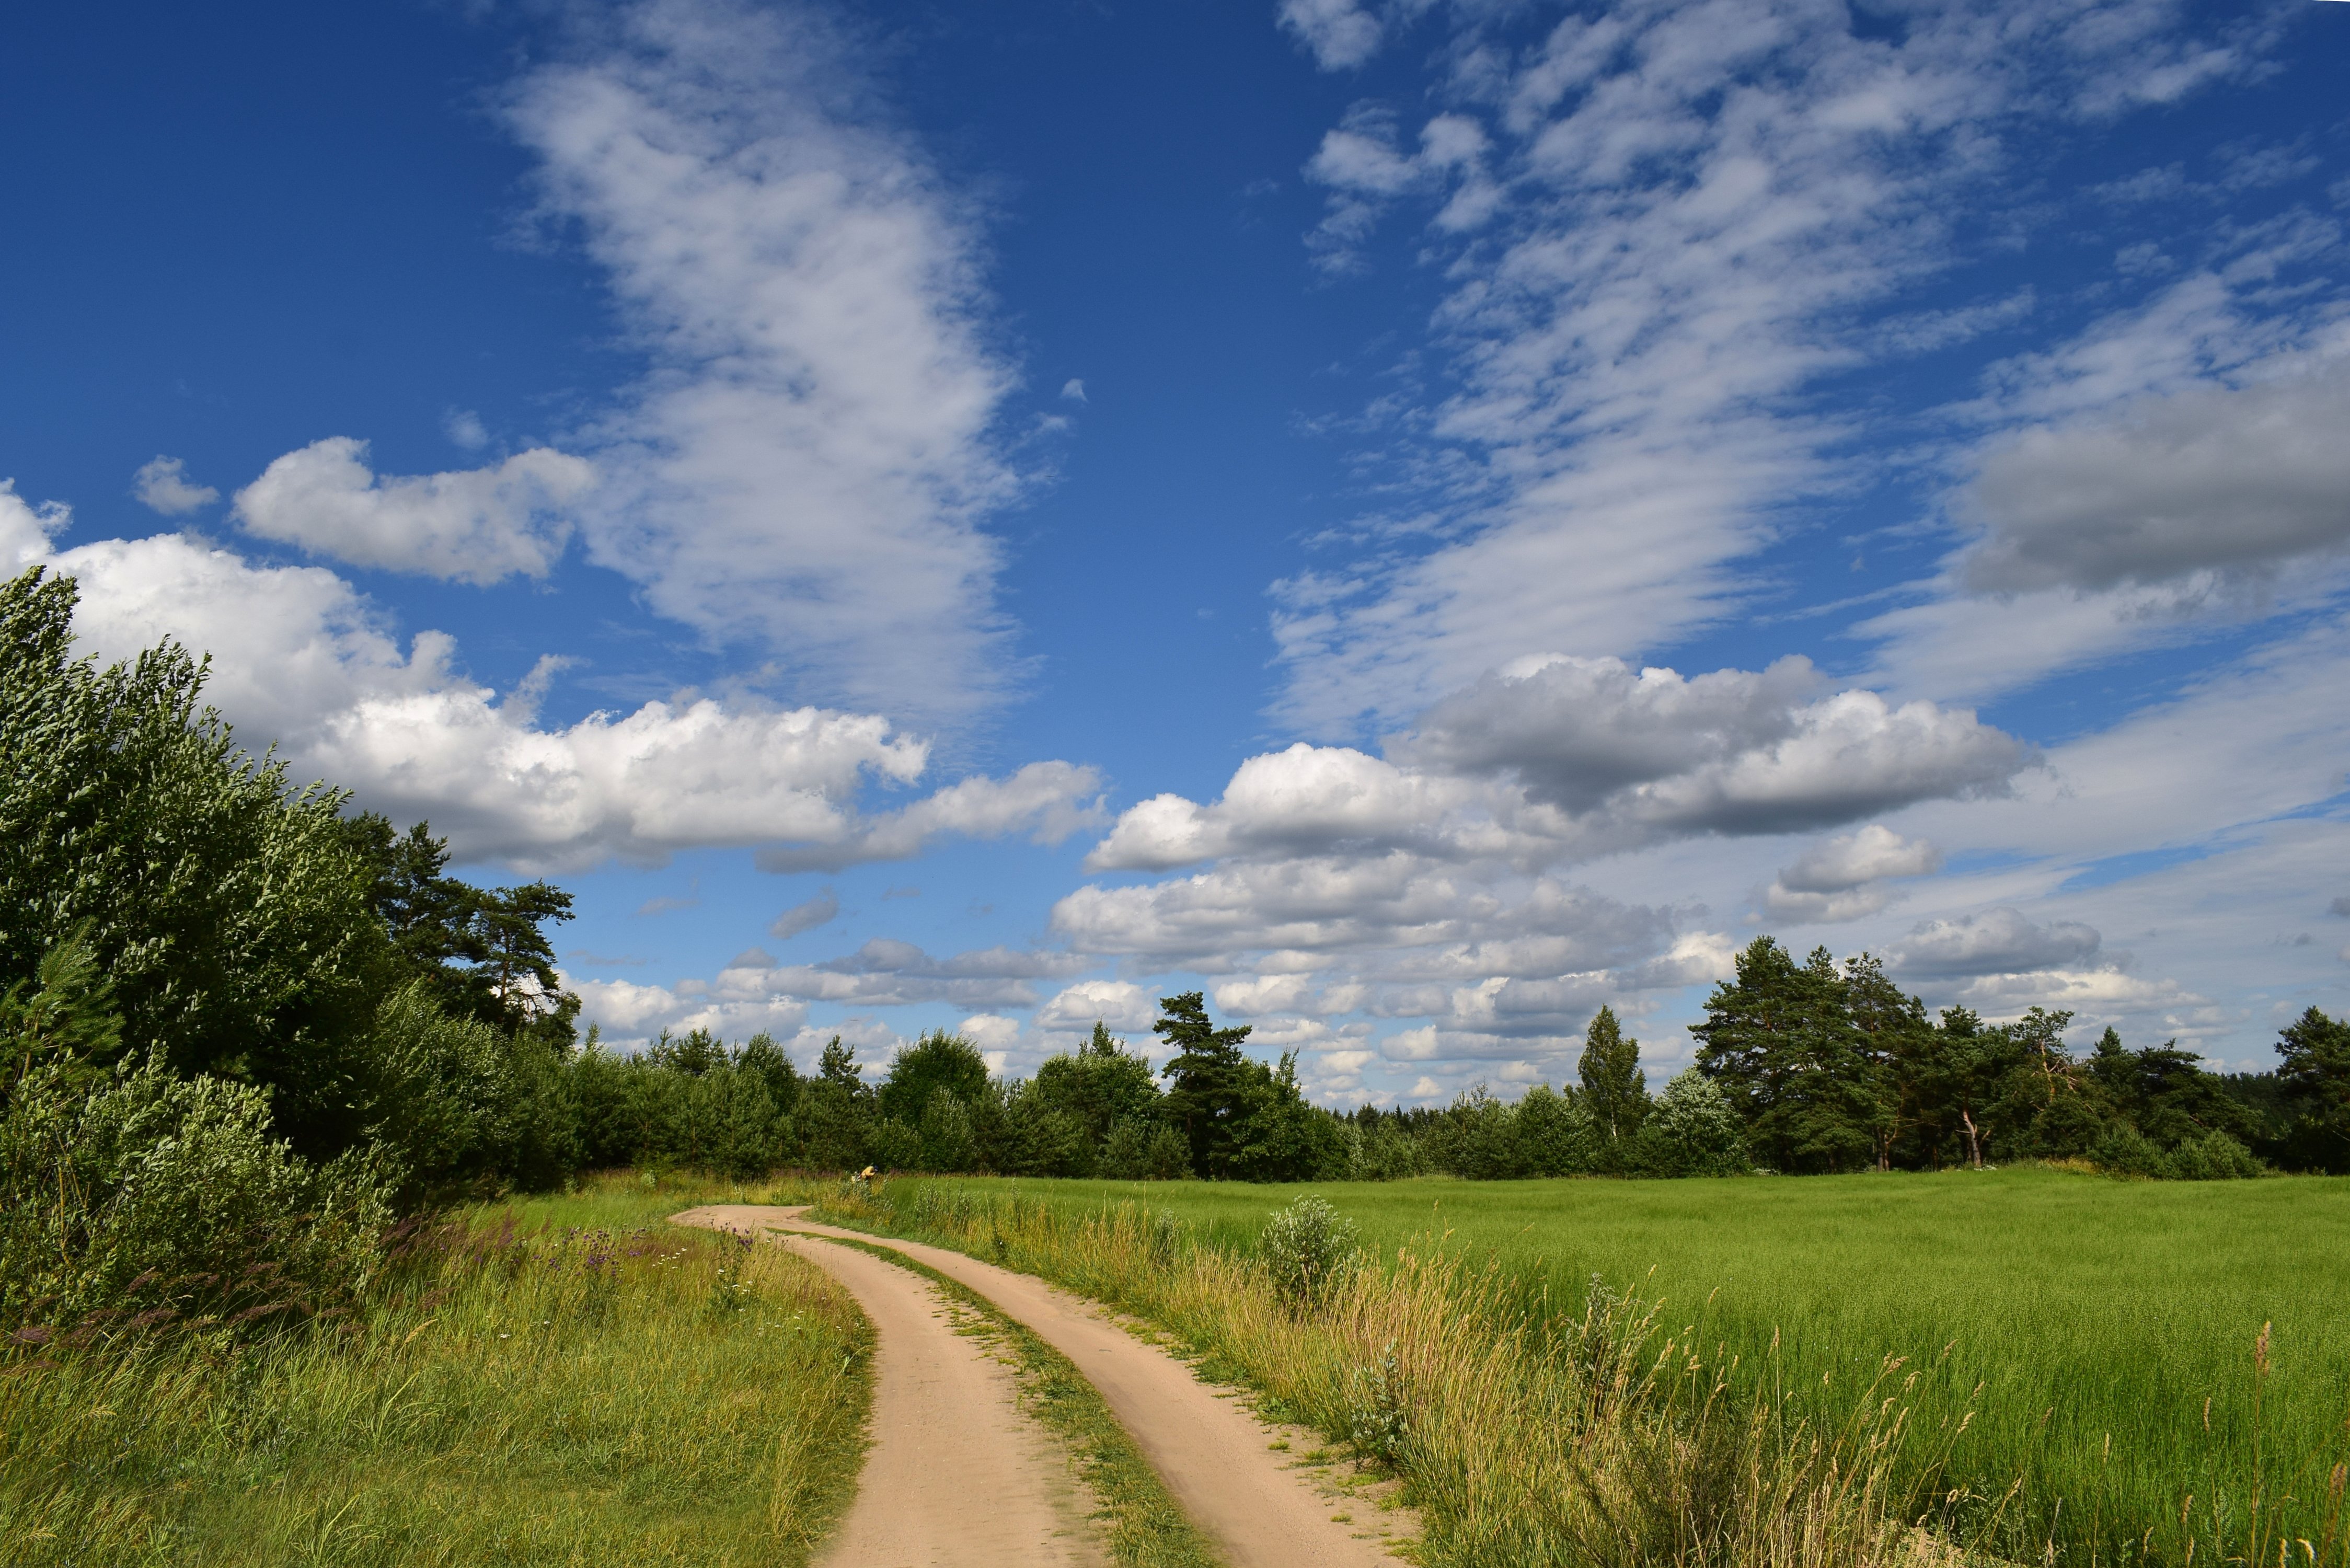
1308, 1251
221, 903
1692, 1130
1390, 1154
2214, 1156
168, 1195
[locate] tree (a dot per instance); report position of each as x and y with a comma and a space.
2315, 1074
1692, 1131
221, 903
1558, 1134
485, 950
1894, 1036
937, 1060
1208, 1081
836, 1111
1615, 1090
1779, 1041
1099, 1087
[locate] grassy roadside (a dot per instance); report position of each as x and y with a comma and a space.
1144, 1527
1604, 1446
2095, 1339
1530, 1431
564, 1381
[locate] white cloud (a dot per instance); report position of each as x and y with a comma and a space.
1126, 1008
1074, 389
1673, 222
25, 530
161, 485
479, 525
807, 465
806, 916
1999, 941
1562, 759
463, 428
1048, 800
301, 660
1339, 33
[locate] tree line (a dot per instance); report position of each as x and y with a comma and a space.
245, 1029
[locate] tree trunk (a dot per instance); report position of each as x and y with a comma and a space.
1975, 1140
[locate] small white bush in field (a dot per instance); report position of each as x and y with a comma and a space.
1308, 1249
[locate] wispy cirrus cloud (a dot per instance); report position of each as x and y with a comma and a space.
1661, 226
808, 464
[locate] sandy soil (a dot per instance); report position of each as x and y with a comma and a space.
1261, 1508
957, 1474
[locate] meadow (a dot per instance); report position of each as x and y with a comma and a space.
2112, 1371
563, 1380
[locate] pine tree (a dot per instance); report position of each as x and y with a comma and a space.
1781, 1041
1209, 1081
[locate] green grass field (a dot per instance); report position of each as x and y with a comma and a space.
2100, 1332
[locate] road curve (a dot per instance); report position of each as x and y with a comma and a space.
957, 1477
1210, 1452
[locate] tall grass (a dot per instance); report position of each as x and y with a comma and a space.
1525, 1438
2096, 1337
576, 1383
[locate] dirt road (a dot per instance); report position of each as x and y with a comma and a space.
1212, 1453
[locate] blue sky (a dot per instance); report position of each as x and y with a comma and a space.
1418, 520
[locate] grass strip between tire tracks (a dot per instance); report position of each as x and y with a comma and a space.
1145, 1527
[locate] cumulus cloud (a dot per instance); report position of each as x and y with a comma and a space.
1049, 801
161, 485
1121, 1005
479, 525
2229, 479
1843, 879
1563, 758
2000, 941
808, 466
1736, 751
820, 910
303, 660
25, 530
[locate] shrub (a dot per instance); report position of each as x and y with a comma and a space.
1308, 1251
2214, 1156
2123, 1150
1692, 1130
222, 902
168, 1194
1390, 1154
894, 1145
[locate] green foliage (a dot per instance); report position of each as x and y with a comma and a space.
1692, 1131
222, 906
159, 1199
937, 1060
463, 1102
1781, 1041
483, 950
1308, 1251
1101, 1086
1615, 1092
2314, 1073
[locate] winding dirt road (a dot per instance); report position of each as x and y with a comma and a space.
1213, 1454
